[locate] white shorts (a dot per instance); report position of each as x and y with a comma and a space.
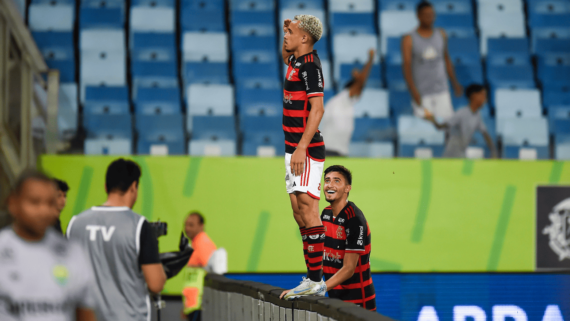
438, 104
309, 182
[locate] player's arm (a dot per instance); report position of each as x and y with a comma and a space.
407, 69
361, 77
429, 116
284, 53
82, 314
450, 70
490, 144
346, 272
149, 260
315, 116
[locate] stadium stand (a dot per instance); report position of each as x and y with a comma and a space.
223, 60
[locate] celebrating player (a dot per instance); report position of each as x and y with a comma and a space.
304, 146
347, 243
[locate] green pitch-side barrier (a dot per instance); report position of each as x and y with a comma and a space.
424, 215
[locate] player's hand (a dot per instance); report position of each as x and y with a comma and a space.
417, 98
371, 54
284, 293
428, 115
458, 89
286, 25
298, 161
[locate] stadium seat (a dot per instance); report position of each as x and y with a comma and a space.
469, 74
547, 20
203, 16
101, 17
153, 47
58, 50
206, 73
374, 79
458, 7
252, 5
373, 103
525, 138
400, 103
162, 74
205, 147
352, 49
152, 19
104, 146
562, 147
47, 17
103, 68
397, 5
499, 6
393, 51
418, 138
395, 24
102, 40
464, 51
262, 136
257, 74
555, 98
510, 76
352, 23
548, 7
259, 22
158, 101
206, 47
154, 3
555, 77
214, 128
525, 103
302, 4
395, 78
552, 45
548, 33
108, 126
161, 130
203, 100
260, 102
106, 100
67, 112
455, 21
254, 42
373, 130
508, 51
371, 149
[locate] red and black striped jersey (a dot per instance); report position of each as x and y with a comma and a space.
349, 233
304, 79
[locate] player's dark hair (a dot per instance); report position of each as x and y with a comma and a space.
422, 5
340, 169
473, 89
27, 175
121, 174
61, 185
199, 215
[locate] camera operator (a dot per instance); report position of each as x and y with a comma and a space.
122, 247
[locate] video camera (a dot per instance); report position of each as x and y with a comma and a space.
160, 228
173, 262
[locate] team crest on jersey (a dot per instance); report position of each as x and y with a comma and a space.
287, 99
311, 248
60, 274
339, 232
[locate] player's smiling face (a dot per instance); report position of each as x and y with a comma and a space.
293, 36
336, 187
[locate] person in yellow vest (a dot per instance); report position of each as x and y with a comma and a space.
194, 272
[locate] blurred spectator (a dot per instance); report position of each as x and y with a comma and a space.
338, 120
61, 200
43, 277
122, 246
463, 124
427, 66
203, 250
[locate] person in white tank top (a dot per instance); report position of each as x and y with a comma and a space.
337, 125
427, 66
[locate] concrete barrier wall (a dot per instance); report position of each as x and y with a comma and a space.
231, 300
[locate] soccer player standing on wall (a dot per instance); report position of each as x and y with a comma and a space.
304, 146
347, 243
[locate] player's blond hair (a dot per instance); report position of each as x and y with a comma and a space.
310, 24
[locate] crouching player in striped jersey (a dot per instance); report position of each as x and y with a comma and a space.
346, 264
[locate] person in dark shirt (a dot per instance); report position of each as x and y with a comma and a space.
62, 189
346, 259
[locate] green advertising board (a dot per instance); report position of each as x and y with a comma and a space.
424, 215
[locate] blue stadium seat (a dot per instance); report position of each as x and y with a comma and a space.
58, 50
545, 20
554, 77
562, 147
353, 48
257, 75
464, 51
205, 47
103, 146
252, 5
206, 73
371, 149
508, 51
101, 17
322, 47
106, 100
108, 126
206, 147
524, 103
553, 59
395, 78
67, 111
460, 102
261, 21
552, 45
373, 130
160, 130
162, 74
452, 7
419, 138
259, 102
395, 24
373, 103
469, 74
203, 15
455, 21
400, 103
153, 47
353, 23
555, 98
548, 6
400, 5
261, 133
374, 79
152, 19
157, 101
48, 17
302, 4
510, 76
525, 134
548, 33
214, 128
394, 51
561, 127
207, 100
53, 2
154, 3
254, 43
102, 3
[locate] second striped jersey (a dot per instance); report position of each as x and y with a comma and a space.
304, 79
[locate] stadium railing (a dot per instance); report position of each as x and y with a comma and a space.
232, 300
